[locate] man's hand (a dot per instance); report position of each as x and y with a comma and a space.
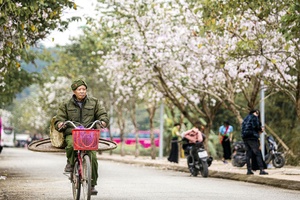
61, 126
103, 124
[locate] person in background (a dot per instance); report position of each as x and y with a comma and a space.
82, 109
251, 130
194, 136
34, 137
225, 136
174, 153
1, 147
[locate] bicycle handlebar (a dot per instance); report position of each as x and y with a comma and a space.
72, 123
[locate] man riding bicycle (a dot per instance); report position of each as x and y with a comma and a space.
82, 109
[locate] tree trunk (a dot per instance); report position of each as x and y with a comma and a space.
151, 110
298, 91
121, 124
136, 130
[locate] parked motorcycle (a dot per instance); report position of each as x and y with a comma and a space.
197, 159
239, 154
273, 155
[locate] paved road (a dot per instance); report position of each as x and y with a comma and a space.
33, 175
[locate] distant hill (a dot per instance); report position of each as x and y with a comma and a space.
29, 67
40, 64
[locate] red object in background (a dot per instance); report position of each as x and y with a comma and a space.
129, 139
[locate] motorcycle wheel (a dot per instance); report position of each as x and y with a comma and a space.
191, 166
278, 161
240, 164
204, 169
235, 163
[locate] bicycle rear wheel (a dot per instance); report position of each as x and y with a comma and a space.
86, 177
76, 182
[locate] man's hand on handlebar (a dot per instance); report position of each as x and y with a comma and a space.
103, 124
61, 126
100, 125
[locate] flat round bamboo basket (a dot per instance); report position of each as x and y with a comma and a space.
46, 146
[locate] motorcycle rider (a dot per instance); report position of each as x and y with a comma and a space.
251, 129
194, 136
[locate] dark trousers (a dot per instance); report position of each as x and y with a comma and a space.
226, 148
173, 157
253, 152
195, 152
70, 153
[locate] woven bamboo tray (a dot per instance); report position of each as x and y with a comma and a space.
46, 146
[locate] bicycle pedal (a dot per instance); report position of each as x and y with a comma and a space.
67, 173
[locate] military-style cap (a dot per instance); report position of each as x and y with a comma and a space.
78, 83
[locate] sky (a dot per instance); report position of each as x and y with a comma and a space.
84, 8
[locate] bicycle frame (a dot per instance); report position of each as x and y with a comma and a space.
79, 158
84, 180
81, 175
80, 154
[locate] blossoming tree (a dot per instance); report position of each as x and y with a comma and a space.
22, 24
201, 61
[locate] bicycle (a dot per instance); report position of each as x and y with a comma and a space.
84, 140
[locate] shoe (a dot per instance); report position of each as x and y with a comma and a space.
263, 173
250, 172
68, 168
94, 191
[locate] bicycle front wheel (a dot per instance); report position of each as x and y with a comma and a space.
76, 182
86, 177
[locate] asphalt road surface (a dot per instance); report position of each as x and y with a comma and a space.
32, 175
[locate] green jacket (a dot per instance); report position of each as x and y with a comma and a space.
90, 111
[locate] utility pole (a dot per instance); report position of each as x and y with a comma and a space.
262, 119
161, 134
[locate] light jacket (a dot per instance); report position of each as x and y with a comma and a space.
194, 135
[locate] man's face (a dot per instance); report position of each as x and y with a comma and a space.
80, 92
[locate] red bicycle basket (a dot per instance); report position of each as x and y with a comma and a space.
85, 139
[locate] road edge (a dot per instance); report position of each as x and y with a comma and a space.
280, 183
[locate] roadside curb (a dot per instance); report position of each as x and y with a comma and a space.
280, 183
264, 180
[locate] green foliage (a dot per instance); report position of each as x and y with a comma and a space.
215, 12
291, 21
15, 81
22, 24
281, 117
